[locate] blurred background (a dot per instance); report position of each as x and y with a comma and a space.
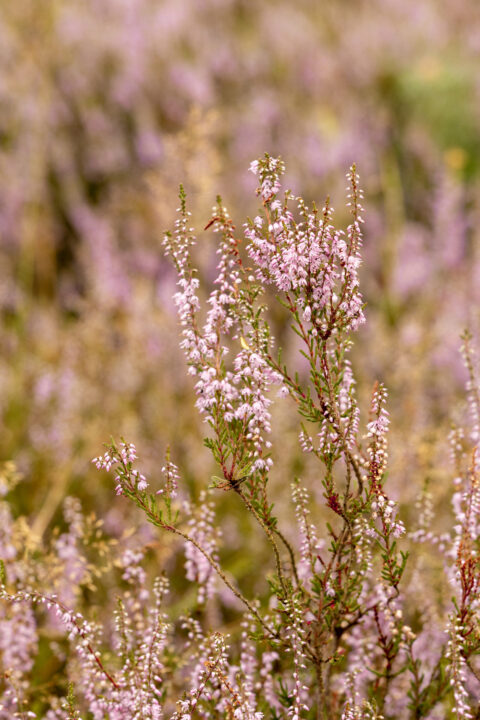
107, 105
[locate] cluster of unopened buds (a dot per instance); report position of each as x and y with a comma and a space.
104, 462
172, 476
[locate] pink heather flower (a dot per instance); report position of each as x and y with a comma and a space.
283, 391
268, 171
254, 376
128, 452
103, 462
254, 167
140, 480
305, 442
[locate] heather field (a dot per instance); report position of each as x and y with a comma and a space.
239, 360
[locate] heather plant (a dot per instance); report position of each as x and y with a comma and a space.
342, 623
336, 607
106, 107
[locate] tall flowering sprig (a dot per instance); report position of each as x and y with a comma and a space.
377, 430
234, 397
248, 660
186, 299
384, 526
231, 396
143, 634
211, 655
169, 491
463, 625
297, 637
463, 563
315, 268
458, 670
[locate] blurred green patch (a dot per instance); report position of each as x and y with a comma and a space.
440, 95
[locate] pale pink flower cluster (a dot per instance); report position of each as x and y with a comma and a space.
269, 173
466, 508
186, 300
387, 510
254, 377
239, 393
334, 435
352, 301
128, 452
363, 554
305, 441
104, 462
311, 259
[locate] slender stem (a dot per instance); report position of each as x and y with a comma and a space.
155, 520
